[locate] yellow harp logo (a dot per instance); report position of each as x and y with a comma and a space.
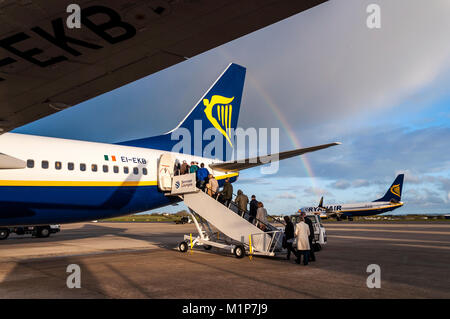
224, 112
395, 189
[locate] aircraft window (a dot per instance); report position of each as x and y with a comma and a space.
105, 168
94, 167
126, 170
30, 163
144, 171
116, 169
44, 164
82, 167
58, 165
135, 170
70, 166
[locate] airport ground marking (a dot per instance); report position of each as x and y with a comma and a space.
251, 248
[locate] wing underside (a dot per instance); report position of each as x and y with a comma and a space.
46, 67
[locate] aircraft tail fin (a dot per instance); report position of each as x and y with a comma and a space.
217, 111
321, 202
394, 193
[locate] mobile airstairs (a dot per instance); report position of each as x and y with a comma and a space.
224, 227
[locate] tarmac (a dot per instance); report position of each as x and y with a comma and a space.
141, 260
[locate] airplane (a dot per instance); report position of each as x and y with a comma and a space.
46, 180
47, 66
390, 201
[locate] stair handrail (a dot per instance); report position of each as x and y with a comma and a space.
216, 197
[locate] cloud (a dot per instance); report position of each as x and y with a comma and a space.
360, 183
333, 79
316, 191
383, 151
345, 184
287, 195
341, 184
253, 180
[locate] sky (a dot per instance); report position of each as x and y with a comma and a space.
320, 76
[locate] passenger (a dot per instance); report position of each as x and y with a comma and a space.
184, 168
308, 221
302, 234
202, 176
261, 216
253, 209
289, 237
241, 202
176, 169
193, 168
212, 186
227, 192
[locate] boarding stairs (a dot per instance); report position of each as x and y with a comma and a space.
207, 210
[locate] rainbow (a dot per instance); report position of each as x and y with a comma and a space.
285, 125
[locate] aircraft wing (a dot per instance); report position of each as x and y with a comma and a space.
239, 165
45, 66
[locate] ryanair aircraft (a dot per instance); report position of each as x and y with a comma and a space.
390, 201
46, 181
56, 54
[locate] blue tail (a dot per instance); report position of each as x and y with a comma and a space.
394, 192
217, 110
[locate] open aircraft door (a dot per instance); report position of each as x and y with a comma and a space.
165, 172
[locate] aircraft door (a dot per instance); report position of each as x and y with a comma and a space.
165, 172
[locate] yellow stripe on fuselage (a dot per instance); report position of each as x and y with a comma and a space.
76, 183
90, 183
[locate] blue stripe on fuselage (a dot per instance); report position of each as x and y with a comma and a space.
370, 212
38, 205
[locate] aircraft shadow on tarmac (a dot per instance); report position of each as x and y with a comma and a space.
340, 259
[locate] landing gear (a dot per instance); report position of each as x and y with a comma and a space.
207, 247
183, 246
4, 233
239, 251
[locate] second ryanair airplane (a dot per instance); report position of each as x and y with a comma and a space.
46, 181
390, 201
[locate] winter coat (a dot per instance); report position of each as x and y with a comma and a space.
184, 168
193, 169
227, 191
289, 230
241, 200
202, 173
253, 207
311, 228
302, 234
261, 215
214, 185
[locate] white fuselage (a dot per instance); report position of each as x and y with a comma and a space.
71, 178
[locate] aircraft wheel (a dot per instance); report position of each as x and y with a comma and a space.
207, 247
4, 233
239, 251
43, 232
183, 246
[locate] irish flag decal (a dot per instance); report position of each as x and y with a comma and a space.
107, 157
